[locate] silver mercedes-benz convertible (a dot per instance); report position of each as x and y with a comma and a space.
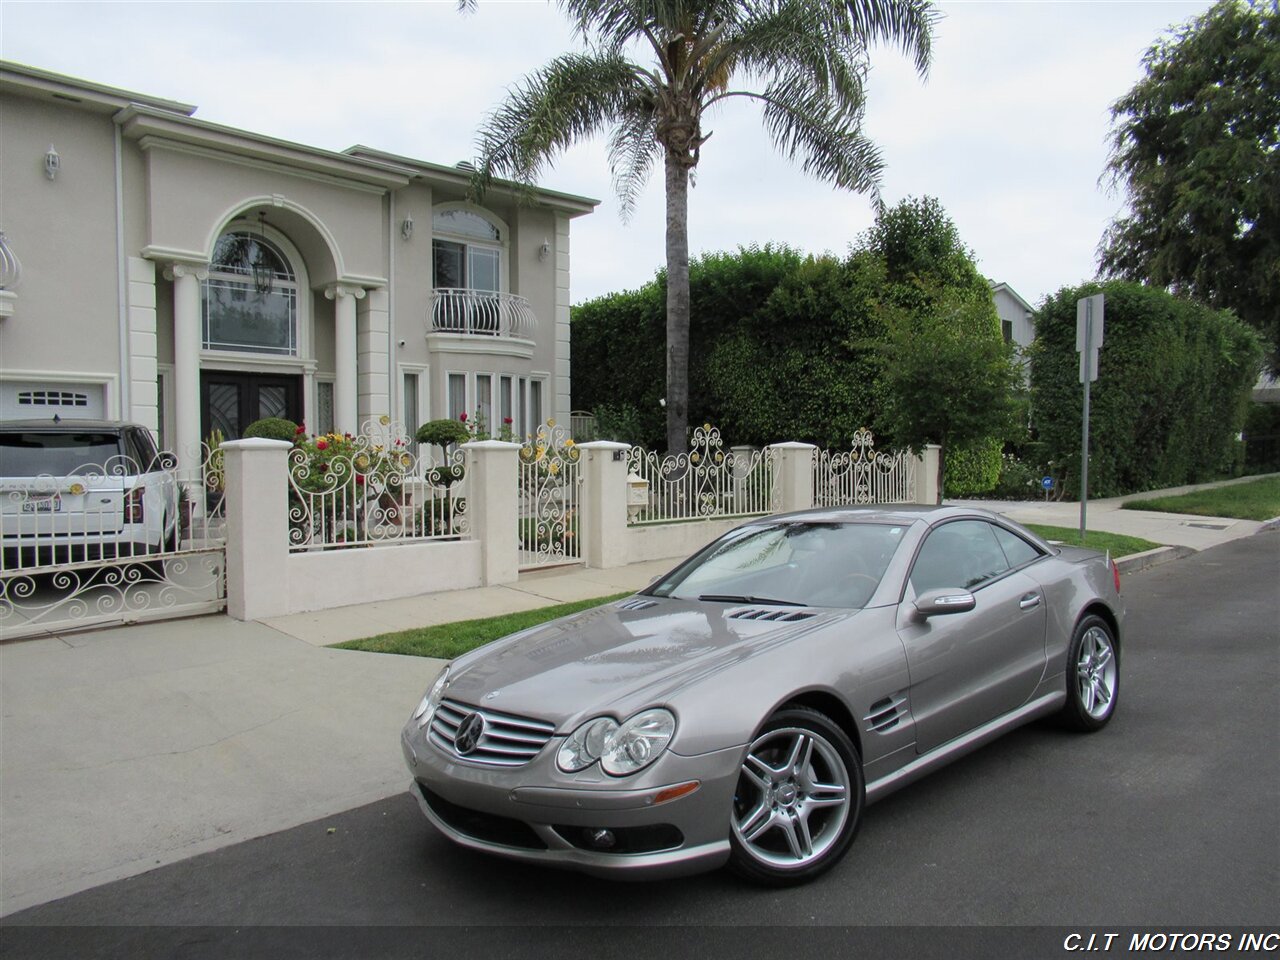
747, 706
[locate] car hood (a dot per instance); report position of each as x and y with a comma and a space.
622, 657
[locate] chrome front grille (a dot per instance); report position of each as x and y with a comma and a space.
507, 741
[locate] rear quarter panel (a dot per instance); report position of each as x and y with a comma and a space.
1073, 582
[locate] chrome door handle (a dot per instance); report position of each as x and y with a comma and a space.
1030, 601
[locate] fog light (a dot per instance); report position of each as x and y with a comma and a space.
601, 839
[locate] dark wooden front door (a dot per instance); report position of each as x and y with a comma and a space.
231, 401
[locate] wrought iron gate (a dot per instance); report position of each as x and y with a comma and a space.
113, 542
550, 486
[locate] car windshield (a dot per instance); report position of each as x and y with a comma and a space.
32, 453
812, 564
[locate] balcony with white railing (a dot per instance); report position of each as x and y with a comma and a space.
483, 313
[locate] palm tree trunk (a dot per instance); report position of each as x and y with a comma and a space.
677, 304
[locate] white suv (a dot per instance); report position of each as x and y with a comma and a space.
74, 490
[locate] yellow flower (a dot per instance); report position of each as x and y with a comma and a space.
384, 419
362, 461
569, 443
406, 460
693, 458
553, 468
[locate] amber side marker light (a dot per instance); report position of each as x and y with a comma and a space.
676, 792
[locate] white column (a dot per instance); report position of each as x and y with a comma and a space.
345, 385
186, 279
928, 483
492, 481
257, 527
603, 513
793, 463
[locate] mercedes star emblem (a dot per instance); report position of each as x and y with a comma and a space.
470, 730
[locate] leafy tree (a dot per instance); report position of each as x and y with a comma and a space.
803, 61
942, 384
1196, 143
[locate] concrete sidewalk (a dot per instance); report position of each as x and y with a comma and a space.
127, 748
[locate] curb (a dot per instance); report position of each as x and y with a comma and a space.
1152, 558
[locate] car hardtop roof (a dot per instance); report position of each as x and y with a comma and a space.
905, 513
65, 424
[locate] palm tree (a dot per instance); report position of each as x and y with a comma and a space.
804, 61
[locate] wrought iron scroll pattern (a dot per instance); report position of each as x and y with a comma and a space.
705, 482
862, 474
371, 489
550, 482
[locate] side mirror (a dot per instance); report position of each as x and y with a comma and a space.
933, 603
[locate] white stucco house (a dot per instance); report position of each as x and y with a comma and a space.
190, 276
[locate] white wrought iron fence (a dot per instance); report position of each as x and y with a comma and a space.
863, 475
371, 489
550, 484
704, 483
112, 540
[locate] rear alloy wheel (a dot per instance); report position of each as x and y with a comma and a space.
1093, 676
799, 799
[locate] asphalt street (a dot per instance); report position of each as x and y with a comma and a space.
1167, 818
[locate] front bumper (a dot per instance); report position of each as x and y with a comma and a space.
538, 814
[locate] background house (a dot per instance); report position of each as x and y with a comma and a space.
191, 276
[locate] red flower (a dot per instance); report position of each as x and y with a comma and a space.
360, 478
399, 443
322, 445
506, 420
462, 417
324, 467
302, 428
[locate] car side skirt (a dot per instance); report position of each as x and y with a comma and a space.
954, 749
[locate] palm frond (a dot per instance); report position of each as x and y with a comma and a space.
633, 148
829, 145
572, 97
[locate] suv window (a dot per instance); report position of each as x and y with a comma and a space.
963, 553
31, 453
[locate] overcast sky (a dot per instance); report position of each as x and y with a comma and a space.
1009, 131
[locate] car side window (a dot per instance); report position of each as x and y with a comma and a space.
1016, 550
142, 450
963, 553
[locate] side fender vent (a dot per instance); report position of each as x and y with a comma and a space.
886, 714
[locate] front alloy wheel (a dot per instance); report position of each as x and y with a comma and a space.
1093, 676
798, 801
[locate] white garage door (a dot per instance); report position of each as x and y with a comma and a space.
40, 399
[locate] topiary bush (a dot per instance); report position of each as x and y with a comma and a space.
273, 428
1173, 383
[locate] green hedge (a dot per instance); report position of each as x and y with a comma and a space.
1173, 381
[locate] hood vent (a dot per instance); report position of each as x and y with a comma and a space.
886, 714
769, 613
636, 603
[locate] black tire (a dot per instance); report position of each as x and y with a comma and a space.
787, 793
1093, 680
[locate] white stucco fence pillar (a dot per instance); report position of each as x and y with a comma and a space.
187, 326
793, 476
928, 483
492, 507
257, 527
603, 510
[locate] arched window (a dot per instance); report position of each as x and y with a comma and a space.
250, 301
467, 251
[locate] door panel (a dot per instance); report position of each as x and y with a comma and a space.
231, 401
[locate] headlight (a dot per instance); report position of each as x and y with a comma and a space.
622, 749
583, 747
432, 697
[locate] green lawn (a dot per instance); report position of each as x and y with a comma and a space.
1256, 500
448, 640
1117, 543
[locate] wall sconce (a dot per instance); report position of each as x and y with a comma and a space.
52, 163
544, 251
406, 226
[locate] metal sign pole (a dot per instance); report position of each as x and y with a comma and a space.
1084, 451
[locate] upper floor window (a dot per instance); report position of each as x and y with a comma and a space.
250, 301
466, 251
